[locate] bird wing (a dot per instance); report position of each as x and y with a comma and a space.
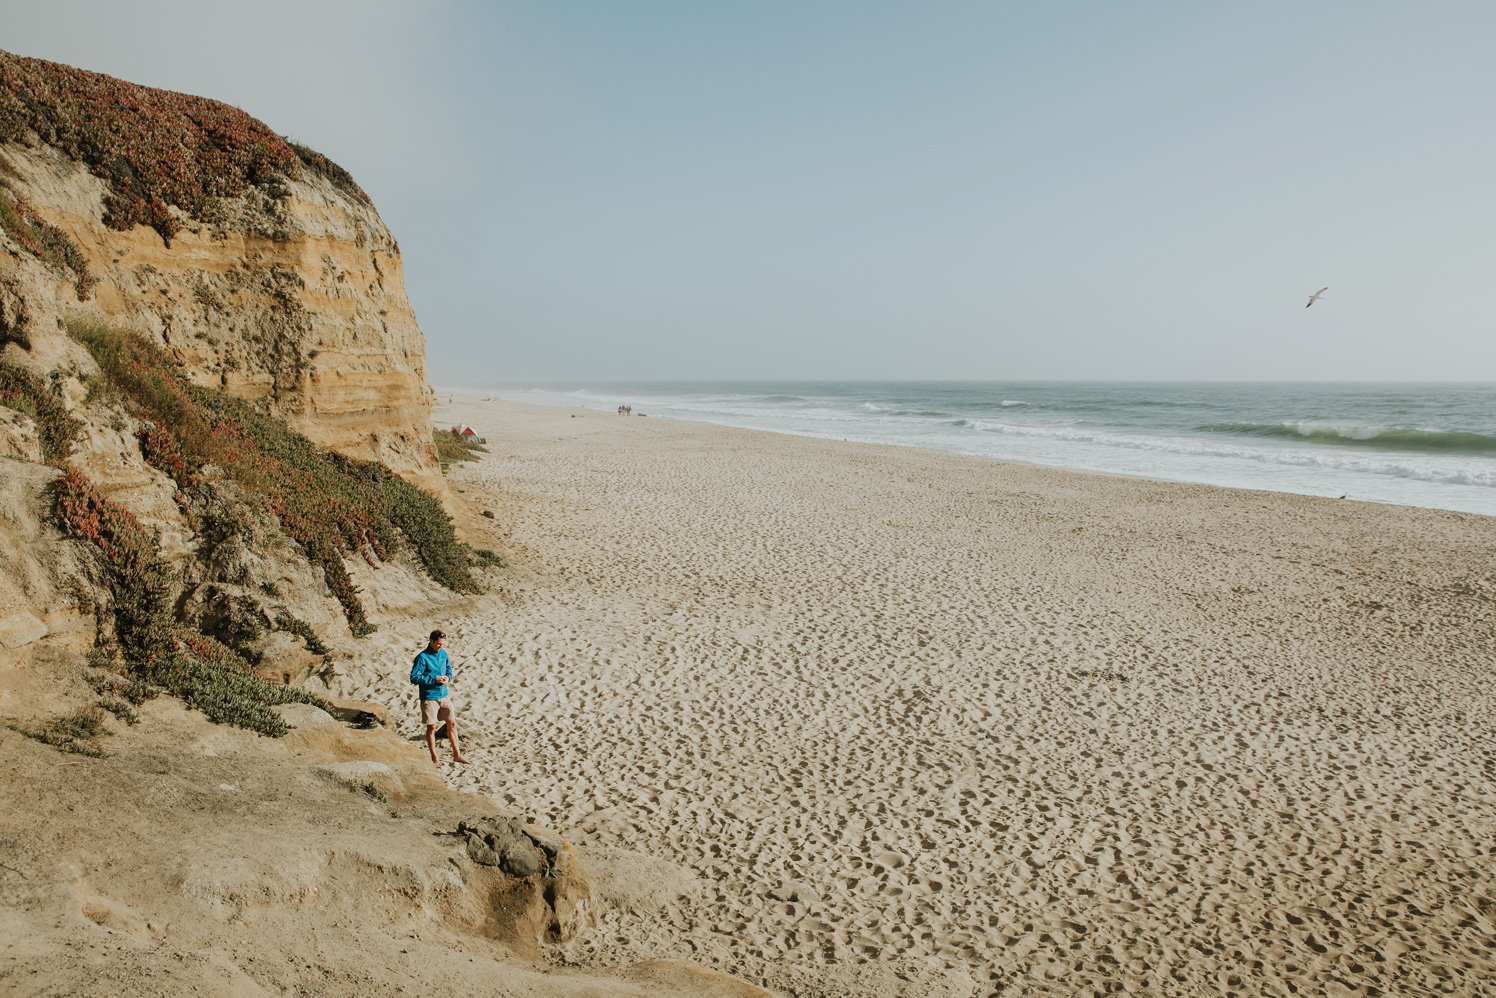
1320, 291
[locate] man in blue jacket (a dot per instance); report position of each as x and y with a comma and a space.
432, 674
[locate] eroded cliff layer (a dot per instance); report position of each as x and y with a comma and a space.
262, 266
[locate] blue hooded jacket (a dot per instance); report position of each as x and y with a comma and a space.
427, 667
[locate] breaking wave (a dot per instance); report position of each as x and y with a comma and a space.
1392, 438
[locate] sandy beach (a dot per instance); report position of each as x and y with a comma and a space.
889, 721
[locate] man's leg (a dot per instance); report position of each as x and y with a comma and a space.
457, 755
431, 742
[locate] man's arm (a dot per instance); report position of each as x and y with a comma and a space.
423, 673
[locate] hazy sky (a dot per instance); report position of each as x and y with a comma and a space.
635, 190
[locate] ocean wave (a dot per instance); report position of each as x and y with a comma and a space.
1391, 438
1445, 467
1003, 404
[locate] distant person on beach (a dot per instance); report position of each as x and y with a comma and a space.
432, 674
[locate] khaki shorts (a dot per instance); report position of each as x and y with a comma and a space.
436, 711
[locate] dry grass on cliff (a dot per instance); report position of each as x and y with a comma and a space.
452, 449
331, 505
76, 733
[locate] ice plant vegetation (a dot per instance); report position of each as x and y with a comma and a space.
156, 149
202, 672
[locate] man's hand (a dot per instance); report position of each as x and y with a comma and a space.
441, 680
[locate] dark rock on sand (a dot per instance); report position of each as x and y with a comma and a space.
501, 842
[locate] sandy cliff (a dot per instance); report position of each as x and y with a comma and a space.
277, 282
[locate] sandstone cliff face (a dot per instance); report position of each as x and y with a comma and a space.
260, 267
290, 291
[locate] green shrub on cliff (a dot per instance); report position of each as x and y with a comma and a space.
299, 627
200, 671
452, 449
24, 391
331, 505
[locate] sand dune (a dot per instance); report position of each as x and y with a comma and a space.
914, 723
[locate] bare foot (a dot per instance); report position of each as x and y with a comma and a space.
434, 760
460, 758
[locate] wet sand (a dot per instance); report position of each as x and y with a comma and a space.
899, 722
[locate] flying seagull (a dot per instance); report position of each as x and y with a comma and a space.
1315, 297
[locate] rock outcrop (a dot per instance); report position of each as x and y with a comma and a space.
278, 282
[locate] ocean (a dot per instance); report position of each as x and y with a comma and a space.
1428, 445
